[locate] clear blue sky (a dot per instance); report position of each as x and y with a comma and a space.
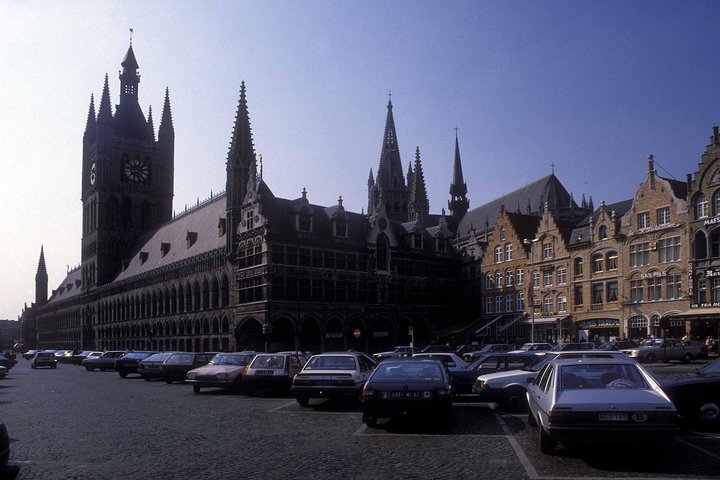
593, 87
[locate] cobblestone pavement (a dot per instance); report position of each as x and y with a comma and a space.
72, 424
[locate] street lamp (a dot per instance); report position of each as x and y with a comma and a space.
531, 290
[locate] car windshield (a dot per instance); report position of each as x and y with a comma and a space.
158, 357
112, 354
180, 359
227, 359
601, 375
712, 367
331, 362
408, 371
269, 361
538, 366
137, 355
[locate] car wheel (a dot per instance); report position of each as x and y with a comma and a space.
32, 366
249, 391
515, 402
122, 374
102, 369
89, 368
147, 379
708, 414
687, 358
168, 380
651, 358
196, 388
54, 366
303, 400
4, 447
531, 420
547, 444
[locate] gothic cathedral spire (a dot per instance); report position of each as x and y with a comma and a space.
240, 165
419, 204
458, 204
390, 180
41, 281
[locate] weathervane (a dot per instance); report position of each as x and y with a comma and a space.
131, 32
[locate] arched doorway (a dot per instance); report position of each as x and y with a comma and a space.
249, 336
310, 339
383, 335
283, 335
334, 336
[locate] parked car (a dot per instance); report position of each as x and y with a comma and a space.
539, 348
106, 361
397, 352
469, 347
489, 348
508, 388
273, 371
465, 377
29, 354
44, 359
78, 358
128, 363
617, 345
225, 370
575, 346
664, 349
437, 348
405, 387
177, 365
332, 375
697, 398
448, 358
149, 367
64, 356
599, 401
6, 362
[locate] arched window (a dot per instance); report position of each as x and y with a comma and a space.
716, 203
382, 253
602, 232
700, 245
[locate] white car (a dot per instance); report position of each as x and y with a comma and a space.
329, 375
591, 400
508, 388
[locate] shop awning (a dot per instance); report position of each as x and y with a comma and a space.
492, 319
697, 314
546, 320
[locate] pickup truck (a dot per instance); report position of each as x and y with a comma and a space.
664, 350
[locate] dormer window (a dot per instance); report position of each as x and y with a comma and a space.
191, 238
341, 228
304, 222
143, 257
602, 232
418, 241
165, 248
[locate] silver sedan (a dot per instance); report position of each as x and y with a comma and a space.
599, 401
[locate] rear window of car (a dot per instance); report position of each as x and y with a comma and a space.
44, 354
268, 361
136, 355
408, 371
601, 375
331, 362
158, 357
180, 359
225, 359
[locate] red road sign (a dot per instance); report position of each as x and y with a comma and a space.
357, 333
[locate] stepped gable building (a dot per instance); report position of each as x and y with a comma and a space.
703, 285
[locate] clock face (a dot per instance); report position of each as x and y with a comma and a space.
93, 174
136, 170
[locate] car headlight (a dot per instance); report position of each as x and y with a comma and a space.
221, 376
191, 375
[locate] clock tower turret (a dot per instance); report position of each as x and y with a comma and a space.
127, 177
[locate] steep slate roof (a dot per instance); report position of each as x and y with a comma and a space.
524, 225
68, 288
536, 194
679, 188
202, 220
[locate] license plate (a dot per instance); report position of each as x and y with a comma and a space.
613, 417
265, 372
404, 394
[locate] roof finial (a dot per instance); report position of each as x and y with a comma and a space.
389, 97
552, 165
456, 131
131, 33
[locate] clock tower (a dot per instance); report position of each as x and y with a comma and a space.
127, 177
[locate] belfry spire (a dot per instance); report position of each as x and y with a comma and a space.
390, 180
458, 204
41, 280
90, 124
166, 123
418, 194
105, 110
